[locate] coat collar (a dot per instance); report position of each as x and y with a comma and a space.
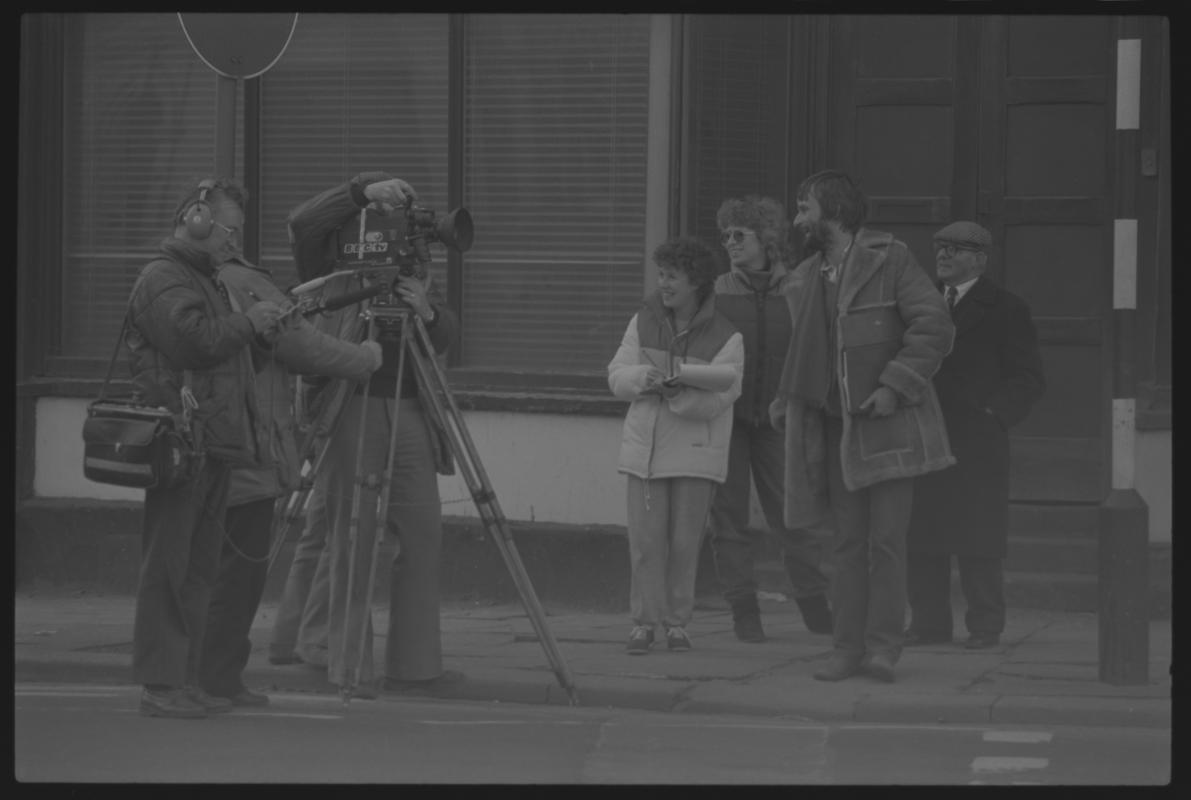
983, 295
186, 253
868, 254
703, 314
776, 273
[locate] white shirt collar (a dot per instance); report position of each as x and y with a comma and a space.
962, 288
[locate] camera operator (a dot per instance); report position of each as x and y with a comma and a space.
413, 655
244, 561
187, 342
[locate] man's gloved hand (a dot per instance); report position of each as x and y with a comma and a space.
373, 347
263, 316
391, 194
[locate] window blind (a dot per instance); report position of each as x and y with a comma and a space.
353, 93
138, 133
556, 110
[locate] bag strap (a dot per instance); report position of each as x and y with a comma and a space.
112, 363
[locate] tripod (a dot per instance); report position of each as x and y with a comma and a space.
440, 404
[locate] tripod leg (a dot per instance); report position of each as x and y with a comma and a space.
382, 500
486, 503
352, 666
299, 500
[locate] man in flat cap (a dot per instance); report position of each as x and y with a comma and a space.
986, 385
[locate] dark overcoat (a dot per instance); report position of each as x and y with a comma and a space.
986, 385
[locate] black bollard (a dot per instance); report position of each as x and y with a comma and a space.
1124, 588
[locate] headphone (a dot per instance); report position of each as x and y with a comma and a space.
197, 217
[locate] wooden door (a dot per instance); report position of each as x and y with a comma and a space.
1005, 121
1046, 130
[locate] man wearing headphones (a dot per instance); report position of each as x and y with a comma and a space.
190, 349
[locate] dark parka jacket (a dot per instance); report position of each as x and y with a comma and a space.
298, 348
881, 275
988, 384
312, 232
760, 312
179, 321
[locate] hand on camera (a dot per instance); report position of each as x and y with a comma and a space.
378, 358
413, 292
263, 316
391, 194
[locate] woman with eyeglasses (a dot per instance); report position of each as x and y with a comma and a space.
752, 295
675, 443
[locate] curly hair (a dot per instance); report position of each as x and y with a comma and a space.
228, 189
762, 215
693, 258
839, 197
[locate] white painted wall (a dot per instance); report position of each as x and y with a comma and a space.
543, 467
1154, 480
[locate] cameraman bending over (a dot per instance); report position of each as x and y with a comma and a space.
413, 655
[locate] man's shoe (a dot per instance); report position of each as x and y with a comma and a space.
982, 641
171, 702
913, 638
248, 699
746, 620
838, 668
816, 614
445, 680
640, 640
676, 639
880, 666
213, 704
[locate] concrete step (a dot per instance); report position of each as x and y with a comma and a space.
1080, 521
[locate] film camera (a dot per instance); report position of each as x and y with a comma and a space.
399, 240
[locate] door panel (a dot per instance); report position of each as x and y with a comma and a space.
980, 117
1045, 195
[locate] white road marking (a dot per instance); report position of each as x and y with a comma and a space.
1020, 737
1007, 763
68, 693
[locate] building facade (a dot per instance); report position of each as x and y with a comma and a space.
578, 143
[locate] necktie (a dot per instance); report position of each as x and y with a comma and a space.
952, 292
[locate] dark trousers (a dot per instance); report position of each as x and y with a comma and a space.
928, 579
756, 456
868, 596
243, 568
179, 560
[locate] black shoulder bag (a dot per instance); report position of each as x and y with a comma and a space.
128, 443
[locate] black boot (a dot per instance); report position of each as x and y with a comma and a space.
815, 613
746, 619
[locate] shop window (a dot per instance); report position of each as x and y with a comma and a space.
138, 134
556, 121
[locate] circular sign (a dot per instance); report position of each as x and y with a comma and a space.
239, 45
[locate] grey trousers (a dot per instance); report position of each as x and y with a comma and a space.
666, 520
413, 649
301, 623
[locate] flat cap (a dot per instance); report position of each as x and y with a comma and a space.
964, 232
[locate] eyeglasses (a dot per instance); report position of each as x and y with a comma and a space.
951, 249
231, 232
735, 235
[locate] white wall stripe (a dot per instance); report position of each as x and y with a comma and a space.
1124, 437
1007, 763
1124, 264
1023, 737
1128, 84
